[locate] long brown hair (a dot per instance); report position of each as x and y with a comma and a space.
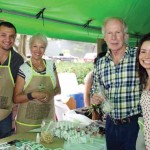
141, 70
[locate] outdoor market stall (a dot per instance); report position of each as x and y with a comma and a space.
76, 131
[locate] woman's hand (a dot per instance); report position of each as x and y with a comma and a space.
97, 99
41, 96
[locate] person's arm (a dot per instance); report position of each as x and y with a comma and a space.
87, 88
57, 89
21, 97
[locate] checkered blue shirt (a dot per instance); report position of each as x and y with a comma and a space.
120, 82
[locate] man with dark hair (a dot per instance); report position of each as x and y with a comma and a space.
9, 65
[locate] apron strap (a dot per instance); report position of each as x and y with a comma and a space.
30, 125
46, 71
141, 124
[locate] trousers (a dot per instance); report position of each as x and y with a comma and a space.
121, 136
6, 127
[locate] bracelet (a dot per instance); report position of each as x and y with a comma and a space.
29, 96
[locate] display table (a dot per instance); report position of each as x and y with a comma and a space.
57, 143
97, 144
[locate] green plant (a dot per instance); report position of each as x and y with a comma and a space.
96, 111
80, 69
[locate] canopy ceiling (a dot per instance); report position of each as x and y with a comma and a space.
78, 20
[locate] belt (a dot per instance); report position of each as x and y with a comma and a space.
125, 120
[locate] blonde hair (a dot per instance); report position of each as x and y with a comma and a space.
38, 37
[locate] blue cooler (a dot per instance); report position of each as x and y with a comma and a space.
78, 98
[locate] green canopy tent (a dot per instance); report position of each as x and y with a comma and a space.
78, 20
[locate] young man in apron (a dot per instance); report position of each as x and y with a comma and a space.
9, 66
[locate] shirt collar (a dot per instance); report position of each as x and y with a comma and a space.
127, 52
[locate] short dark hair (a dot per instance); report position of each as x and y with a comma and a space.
8, 24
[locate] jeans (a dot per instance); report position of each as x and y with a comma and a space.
121, 136
5, 127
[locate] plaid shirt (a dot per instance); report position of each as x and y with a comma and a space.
120, 82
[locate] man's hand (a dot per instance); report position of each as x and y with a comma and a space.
97, 99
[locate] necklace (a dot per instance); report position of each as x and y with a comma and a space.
38, 68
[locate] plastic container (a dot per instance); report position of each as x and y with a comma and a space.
78, 98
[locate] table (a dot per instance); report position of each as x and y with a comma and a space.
57, 143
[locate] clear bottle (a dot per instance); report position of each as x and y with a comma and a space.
38, 138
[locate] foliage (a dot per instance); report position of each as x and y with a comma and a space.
80, 69
96, 111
